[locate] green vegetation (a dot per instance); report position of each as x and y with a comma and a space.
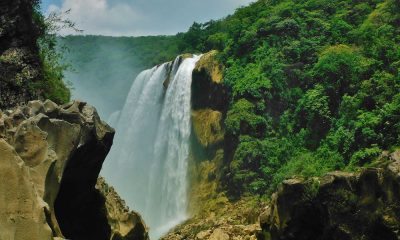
52, 85
314, 86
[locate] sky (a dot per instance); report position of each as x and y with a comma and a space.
139, 17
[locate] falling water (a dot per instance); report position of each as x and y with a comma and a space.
149, 160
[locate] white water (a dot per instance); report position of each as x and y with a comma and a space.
149, 159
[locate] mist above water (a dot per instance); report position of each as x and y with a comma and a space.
103, 68
149, 160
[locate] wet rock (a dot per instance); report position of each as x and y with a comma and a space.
208, 90
207, 125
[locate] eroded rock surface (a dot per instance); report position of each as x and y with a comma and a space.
353, 206
125, 224
50, 158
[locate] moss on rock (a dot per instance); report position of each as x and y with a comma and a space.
211, 66
208, 127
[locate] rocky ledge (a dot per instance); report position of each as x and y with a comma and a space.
224, 221
340, 205
50, 159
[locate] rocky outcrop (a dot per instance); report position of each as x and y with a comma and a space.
229, 221
20, 65
207, 148
208, 90
50, 158
125, 224
354, 206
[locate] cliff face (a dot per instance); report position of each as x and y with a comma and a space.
364, 205
214, 217
50, 158
208, 113
19, 54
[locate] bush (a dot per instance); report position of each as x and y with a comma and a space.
52, 86
364, 156
243, 119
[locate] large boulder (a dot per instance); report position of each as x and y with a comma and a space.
340, 205
50, 159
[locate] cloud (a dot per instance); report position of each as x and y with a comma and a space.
142, 17
98, 17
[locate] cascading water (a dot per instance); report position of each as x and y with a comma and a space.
149, 160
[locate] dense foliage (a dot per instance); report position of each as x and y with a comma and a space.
51, 85
314, 86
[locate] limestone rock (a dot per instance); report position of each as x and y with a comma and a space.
203, 235
208, 90
340, 205
22, 211
209, 104
212, 67
50, 158
125, 224
219, 234
208, 128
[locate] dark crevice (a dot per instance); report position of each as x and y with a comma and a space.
79, 207
49, 222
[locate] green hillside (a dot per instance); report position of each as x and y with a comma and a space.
314, 86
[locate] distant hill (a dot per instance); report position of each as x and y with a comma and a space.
110, 64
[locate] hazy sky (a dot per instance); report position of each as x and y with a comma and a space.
140, 17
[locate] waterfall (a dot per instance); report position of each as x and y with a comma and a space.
149, 159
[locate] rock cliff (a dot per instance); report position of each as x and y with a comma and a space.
207, 148
20, 64
214, 217
50, 158
340, 205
